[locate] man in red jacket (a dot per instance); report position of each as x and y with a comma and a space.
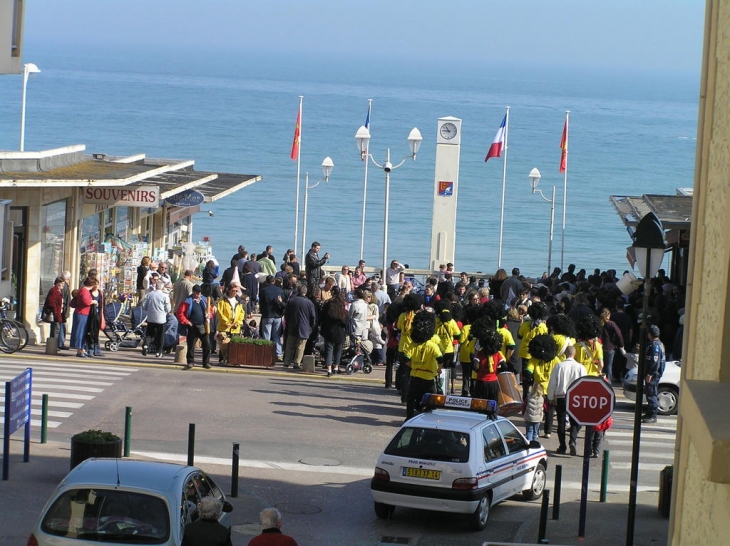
271, 534
193, 313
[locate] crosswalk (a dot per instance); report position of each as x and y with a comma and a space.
68, 386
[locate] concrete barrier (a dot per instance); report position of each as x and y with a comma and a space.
51, 346
308, 364
181, 354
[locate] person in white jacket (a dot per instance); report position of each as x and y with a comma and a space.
157, 304
563, 374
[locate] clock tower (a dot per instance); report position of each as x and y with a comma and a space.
445, 192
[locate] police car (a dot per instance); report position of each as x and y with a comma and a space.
459, 457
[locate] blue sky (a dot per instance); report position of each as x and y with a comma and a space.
664, 35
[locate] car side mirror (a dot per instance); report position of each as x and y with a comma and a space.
534, 444
227, 507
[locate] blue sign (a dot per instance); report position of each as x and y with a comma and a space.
187, 198
19, 401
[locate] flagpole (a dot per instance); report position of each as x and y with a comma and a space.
365, 183
565, 194
299, 168
504, 186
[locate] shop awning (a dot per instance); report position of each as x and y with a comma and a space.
674, 211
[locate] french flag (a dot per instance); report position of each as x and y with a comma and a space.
495, 150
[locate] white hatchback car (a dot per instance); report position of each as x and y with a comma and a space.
124, 502
668, 391
457, 461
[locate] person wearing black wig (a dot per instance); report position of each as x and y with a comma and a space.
424, 358
488, 360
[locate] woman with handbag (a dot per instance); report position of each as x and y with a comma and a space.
333, 318
82, 303
53, 307
96, 322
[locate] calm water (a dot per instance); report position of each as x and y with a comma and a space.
630, 134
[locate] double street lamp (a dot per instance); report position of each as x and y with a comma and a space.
649, 245
534, 181
28, 69
327, 165
414, 141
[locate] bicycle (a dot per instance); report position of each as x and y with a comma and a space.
13, 334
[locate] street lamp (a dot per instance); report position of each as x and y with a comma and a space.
649, 245
28, 69
327, 165
534, 181
414, 141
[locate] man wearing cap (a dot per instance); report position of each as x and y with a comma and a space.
655, 360
193, 313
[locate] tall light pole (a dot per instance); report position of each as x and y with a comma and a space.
327, 165
649, 245
28, 69
534, 181
414, 141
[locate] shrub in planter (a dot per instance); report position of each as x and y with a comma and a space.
245, 351
94, 443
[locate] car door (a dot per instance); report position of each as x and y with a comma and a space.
517, 453
499, 466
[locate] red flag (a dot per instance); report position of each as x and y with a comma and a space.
564, 148
297, 130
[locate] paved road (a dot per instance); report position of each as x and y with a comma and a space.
308, 446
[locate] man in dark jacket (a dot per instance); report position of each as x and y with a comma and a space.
313, 265
207, 531
194, 314
271, 534
271, 306
301, 317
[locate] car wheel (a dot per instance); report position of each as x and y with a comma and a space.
668, 397
539, 478
383, 511
481, 515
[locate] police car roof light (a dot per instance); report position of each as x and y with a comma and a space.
464, 403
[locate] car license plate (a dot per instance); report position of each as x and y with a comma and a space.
422, 473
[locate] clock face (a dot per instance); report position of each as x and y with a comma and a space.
448, 131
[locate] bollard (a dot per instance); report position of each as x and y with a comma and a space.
181, 354
127, 430
191, 444
604, 474
308, 364
44, 419
543, 518
558, 485
234, 471
51, 346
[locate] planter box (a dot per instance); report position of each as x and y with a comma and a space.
82, 450
248, 354
665, 492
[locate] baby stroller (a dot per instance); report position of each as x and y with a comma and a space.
117, 331
170, 339
356, 355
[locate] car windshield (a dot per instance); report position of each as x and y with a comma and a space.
430, 444
108, 516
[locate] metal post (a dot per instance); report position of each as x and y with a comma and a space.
543, 518
191, 444
558, 485
552, 225
22, 110
385, 216
306, 201
44, 419
234, 470
127, 430
584, 483
640, 375
604, 474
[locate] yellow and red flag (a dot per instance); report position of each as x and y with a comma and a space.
297, 132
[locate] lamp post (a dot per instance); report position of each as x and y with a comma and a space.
327, 165
28, 69
649, 245
534, 181
414, 141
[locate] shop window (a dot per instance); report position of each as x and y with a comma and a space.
53, 235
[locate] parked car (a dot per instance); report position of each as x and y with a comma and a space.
451, 460
124, 502
668, 387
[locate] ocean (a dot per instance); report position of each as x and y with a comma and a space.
630, 134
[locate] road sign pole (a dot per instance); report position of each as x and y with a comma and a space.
584, 482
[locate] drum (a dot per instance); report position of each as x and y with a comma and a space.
510, 396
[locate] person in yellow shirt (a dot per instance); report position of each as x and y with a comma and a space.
543, 358
424, 358
410, 304
562, 328
447, 330
538, 313
231, 315
589, 350
466, 348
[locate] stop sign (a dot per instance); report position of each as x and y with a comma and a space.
589, 400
